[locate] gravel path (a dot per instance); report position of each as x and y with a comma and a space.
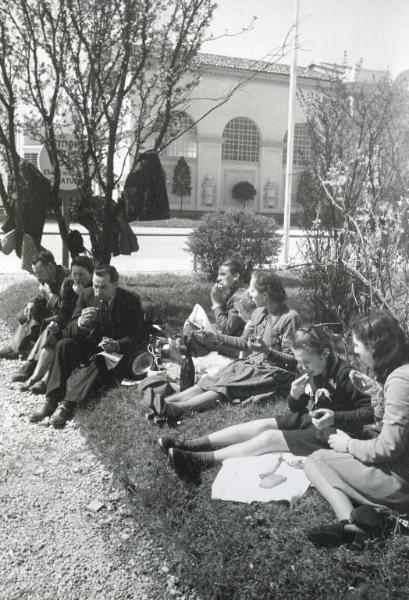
66, 531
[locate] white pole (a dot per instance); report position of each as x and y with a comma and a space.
290, 140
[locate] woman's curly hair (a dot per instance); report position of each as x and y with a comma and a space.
383, 334
269, 282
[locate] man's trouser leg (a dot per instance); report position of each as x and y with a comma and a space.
67, 356
93, 378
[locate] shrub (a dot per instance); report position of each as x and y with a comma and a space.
252, 239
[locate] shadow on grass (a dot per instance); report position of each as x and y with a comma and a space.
223, 550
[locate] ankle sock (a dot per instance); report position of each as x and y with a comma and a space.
206, 459
196, 445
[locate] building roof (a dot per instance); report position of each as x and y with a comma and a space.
256, 66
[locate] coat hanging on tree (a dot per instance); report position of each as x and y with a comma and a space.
145, 194
35, 204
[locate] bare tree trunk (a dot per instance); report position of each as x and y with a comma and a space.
4, 198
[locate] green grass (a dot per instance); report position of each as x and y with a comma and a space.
223, 550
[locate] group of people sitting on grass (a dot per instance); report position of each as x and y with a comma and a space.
80, 319
361, 473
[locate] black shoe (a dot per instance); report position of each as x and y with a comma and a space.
330, 536
38, 388
9, 353
63, 414
185, 464
46, 410
165, 443
24, 373
367, 518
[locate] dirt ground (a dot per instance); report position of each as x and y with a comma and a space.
66, 531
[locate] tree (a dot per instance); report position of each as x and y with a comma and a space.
83, 68
356, 198
243, 192
10, 66
182, 181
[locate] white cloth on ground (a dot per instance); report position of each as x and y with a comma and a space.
246, 479
211, 363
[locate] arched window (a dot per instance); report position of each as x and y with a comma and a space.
240, 140
186, 144
302, 147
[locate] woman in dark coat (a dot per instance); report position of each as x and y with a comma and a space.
43, 351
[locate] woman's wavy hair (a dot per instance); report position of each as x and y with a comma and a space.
244, 302
313, 338
383, 334
83, 261
269, 282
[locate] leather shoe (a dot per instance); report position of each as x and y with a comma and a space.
38, 387
64, 413
25, 386
8, 353
165, 443
24, 373
335, 534
185, 464
46, 410
367, 518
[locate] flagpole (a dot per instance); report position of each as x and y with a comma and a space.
290, 141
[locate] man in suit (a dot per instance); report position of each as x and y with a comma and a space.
50, 277
107, 318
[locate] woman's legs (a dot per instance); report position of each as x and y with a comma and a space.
337, 499
189, 464
44, 362
268, 441
224, 437
191, 392
201, 401
184, 461
240, 433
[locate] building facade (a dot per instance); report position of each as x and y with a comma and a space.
243, 139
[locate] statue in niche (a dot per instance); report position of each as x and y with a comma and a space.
270, 193
208, 190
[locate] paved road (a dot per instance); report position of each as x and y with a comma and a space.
161, 250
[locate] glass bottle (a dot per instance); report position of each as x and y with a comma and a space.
187, 369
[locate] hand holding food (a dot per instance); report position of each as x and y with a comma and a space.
298, 386
323, 418
88, 317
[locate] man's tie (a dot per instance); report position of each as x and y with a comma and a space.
105, 320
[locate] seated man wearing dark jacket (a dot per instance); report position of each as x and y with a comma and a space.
46, 303
107, 318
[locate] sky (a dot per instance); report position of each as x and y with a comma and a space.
375, 30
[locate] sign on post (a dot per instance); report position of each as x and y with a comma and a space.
66, 181
44, 164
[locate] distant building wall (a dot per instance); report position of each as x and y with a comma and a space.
224, 140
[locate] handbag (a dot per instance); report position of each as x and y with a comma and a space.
156, 384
